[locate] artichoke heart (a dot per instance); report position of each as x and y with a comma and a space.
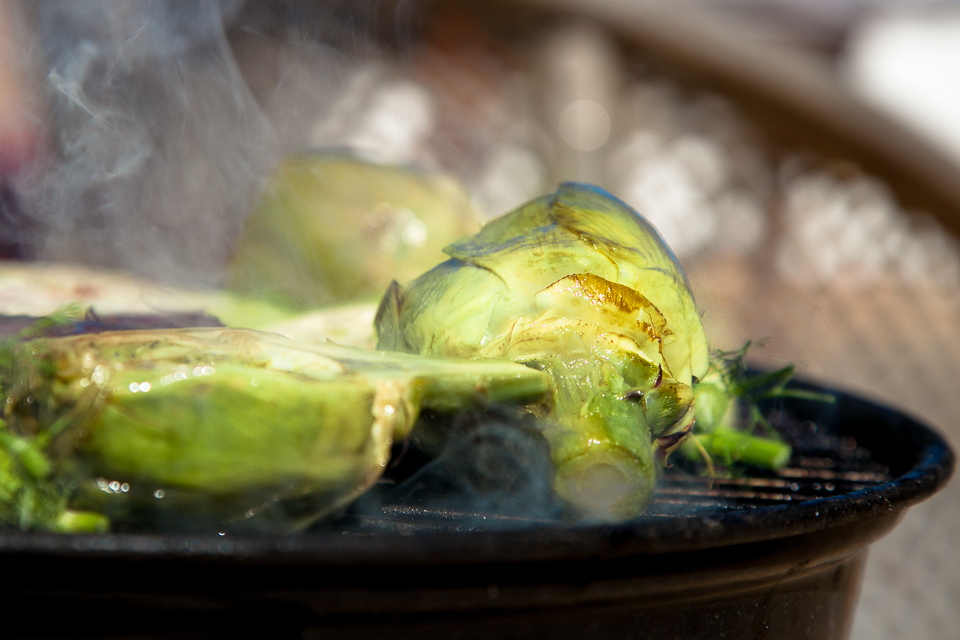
582, 287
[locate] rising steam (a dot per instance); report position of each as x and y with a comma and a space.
157, 147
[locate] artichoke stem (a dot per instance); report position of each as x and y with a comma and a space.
731, 446
605, 484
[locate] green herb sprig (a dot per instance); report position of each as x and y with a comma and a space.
32, 496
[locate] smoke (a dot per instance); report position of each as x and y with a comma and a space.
489, 470
157, 147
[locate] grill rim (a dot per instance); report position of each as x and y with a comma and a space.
931, 465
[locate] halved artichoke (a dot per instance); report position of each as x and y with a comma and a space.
216, 428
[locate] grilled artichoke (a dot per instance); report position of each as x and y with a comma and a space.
580, 286
330, 229
215, 428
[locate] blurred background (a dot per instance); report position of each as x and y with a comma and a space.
802, 158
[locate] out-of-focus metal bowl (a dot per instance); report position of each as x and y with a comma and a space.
797, 103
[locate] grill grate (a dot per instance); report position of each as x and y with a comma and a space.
819, 468
806, 478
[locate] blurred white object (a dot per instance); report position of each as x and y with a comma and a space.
683, 186
852, 232
742, 222
584, 125
662, 184
512, 176
581, 69
399, 119
381, 117
908, 64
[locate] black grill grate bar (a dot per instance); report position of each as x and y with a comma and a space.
739, 481
454, 514
868, 477
817, 463
807, 478
815, 484
738, 494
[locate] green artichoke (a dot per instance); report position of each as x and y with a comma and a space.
580, 286
215, 428
330, 229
